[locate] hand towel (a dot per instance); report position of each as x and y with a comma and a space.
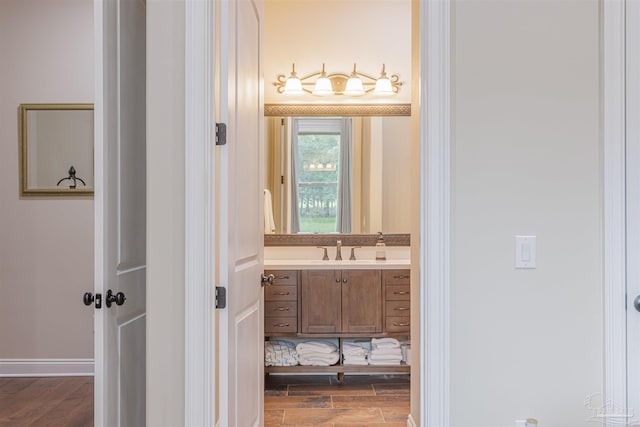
326, 359
385, 343
280, 353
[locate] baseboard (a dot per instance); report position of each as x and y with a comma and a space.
410, 422
46, 367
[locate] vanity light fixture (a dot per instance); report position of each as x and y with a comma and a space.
354, 84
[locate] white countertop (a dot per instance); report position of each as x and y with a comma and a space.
305, 264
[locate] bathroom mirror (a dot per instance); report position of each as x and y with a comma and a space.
377, 168
56, 149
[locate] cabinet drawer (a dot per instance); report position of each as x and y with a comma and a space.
397, 324
279, 309
396, 277
398, 308
281, 293
280, 324
283, 277
395, 293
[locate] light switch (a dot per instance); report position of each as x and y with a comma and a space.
525, 251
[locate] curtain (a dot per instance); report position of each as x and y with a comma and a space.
343, 220
295, 210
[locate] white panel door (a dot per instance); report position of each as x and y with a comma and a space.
120, 212
241, 217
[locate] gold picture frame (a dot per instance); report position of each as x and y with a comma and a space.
56, 150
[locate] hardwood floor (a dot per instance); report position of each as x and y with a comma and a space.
46, 402
362, 400
289, 400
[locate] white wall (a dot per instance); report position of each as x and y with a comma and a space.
46, 245
338, 33
526, 160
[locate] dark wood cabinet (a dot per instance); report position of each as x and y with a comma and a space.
336, 301
338, 304
361, 301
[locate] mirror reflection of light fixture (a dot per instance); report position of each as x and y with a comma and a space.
323, 85
354, 84
293, 85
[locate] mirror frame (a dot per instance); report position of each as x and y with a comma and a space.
25, 190
398, 239
311, 110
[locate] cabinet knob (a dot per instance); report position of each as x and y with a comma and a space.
344, 280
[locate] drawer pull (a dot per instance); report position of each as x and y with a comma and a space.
282, 277
401, 276
400, 324
281, 325
401, 308
401, 293
281, 309
281, 293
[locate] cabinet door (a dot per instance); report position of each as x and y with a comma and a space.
361, 301
321, 295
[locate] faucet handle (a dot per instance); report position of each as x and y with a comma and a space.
353, 253
325, 256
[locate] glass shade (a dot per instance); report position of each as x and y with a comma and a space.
293, 86
383, 87
354, 86
323, 87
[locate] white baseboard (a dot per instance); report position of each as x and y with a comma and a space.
410, 422
46, 367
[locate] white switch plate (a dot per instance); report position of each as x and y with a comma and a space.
525, 251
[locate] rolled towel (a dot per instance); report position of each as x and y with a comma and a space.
316, 347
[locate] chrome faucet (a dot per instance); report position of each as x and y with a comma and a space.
339, 250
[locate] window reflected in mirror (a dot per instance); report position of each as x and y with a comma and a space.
337, 175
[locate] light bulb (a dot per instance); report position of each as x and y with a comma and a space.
293, 85
383, 84
354, 85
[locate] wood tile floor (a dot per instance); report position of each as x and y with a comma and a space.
46, 402
359, 400
362, 400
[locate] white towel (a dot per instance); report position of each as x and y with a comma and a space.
357, 362
316, 347
387, 351
326, 359
385, 343
354, 349
269, 223
384, 362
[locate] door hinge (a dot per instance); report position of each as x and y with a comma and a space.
221, 297
221, 134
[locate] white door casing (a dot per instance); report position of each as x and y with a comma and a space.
632, 182
241, 214
120, 211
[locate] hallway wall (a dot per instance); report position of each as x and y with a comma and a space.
46, 244
526, 159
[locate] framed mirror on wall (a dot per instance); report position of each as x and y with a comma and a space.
56, 150
337, 175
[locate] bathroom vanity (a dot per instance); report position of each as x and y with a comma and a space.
338, 300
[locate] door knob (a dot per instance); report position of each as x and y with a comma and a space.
118, 298
89, 299
636, 303
266, 280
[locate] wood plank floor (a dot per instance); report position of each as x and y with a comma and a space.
46, 402
290, 400
359, 400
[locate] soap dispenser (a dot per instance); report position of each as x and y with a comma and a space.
381, 248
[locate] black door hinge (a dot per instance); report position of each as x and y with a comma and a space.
221, 297
221, 134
